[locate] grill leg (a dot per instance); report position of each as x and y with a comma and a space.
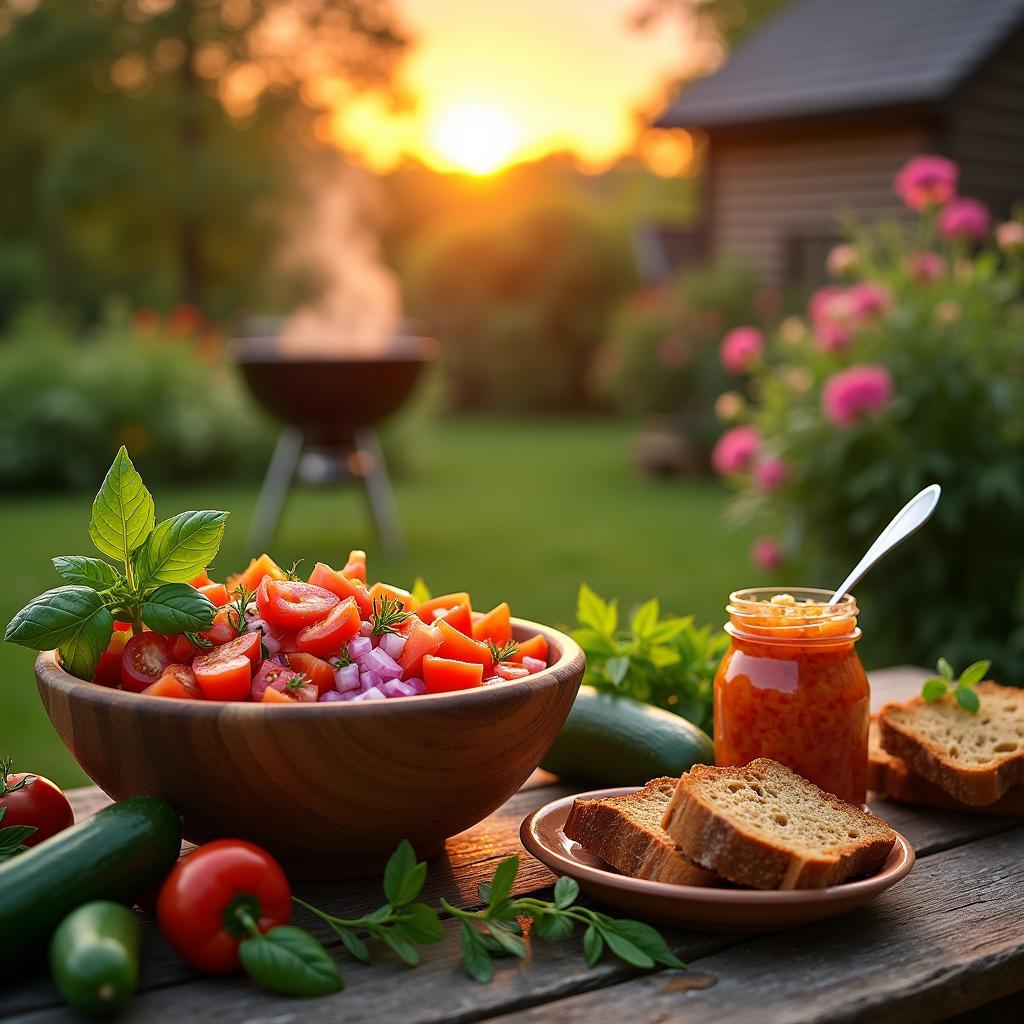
274, 491
379, 495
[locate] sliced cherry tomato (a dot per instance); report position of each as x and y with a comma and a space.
535, 647
203, 900
442, 674
177, 681
225, 672
382, 591
108, 668
429, 610
144, 660
303, 693
255, 572
420, 639
289, 604
327, 636
459, 647
496, 625
269, 674
202, 580
355, 567
341, 585
461, 617
183, 650
320, 672
217, 593
221, 631
33, 800
510, 670
272, 696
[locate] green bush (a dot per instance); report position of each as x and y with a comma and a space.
520, 302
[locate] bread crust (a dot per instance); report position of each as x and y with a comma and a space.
977, 786
717, 840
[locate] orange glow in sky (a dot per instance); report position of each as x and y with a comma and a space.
499, 81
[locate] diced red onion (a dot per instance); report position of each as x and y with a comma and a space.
346, 678
365, 628
359, 647
373, 693
392, 644
417, 684
534, 664
380, 662
329, 695
368, 680
399, 688
272, 644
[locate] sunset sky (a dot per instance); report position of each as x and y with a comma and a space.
504, 80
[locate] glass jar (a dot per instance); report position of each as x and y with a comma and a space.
791, 687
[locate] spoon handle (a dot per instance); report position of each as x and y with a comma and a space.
914, 514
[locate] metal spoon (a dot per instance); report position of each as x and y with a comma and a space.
915, 513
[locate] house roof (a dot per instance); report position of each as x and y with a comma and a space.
830, 56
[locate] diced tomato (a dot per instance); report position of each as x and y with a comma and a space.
343, 586
496, 625
122, 627
382, 591
290, 604
461, 617
453, 605
268, 674
420, 639
202, 580
320, 672
355, 567
144, 659
286, 686
443, 674
272, 696
510, 670
183, 650
177, 681
459, 647
221, 631
255, 572
225, 672
326, 636
216, 592
535, 647
108, 668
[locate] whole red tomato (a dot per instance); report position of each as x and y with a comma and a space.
33, 800
215, 896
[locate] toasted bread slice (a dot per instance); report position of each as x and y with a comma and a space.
766, 827
889, 776
976, 758
626, 832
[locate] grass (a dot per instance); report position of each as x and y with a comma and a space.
510, 510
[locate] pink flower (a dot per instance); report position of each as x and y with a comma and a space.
741, 349
771, 473
833, 337
830, 312
964, 220
925, 267
927, 181
868, 300
766, 554
735, 450
856, 392
1010, 236
842, 259
824, 302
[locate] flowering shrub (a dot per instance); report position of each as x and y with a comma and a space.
908, 370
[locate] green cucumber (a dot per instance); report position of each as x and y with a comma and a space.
117, 854
618, 741
94, 957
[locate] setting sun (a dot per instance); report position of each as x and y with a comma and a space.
475, 138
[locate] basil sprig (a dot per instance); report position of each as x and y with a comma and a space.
148, 588
962, 688
12, 838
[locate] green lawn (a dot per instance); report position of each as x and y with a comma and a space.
511, 510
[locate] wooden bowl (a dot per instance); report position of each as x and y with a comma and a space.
331, 789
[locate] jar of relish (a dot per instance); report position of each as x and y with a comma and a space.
792, 688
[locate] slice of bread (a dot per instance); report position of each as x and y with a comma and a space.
766, 827
626, 832
975, 758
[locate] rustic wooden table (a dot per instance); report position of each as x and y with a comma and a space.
947, 939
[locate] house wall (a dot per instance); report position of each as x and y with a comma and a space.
774, 199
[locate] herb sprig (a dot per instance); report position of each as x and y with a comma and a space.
936, 687
148, 587
504, 653
387, 614
12, 838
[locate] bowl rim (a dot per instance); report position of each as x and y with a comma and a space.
51, 675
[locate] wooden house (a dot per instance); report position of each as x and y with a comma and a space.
815, 113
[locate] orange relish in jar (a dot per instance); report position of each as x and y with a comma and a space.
792, 688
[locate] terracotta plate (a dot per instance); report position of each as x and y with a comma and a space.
688, 906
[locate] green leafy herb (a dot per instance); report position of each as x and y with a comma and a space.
292, 573
297, 681
342, 658
12, 838
936, 687
668, 662
504, 653
198, 640
495, 930
290, 960
241, 601
388, 612
148, 588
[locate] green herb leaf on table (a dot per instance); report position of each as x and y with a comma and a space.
177, 608
179, 548
593, 945
291, 961
566, 892
123, 510
83, 571
12, 838
403, 877
474, 954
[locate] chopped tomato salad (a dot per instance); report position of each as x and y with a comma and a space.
277, 639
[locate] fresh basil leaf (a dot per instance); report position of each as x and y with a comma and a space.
973, 674
945, 669
504, 879
72, 619
474, 954
554, 926
83, 571
593, 945
179, 549
934, 689
649, 940
401, 946
645, 618
177, 608
122, 512
566, 892
289, 960
421, 924
353, 943
403, 877
967, 699
624, 949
